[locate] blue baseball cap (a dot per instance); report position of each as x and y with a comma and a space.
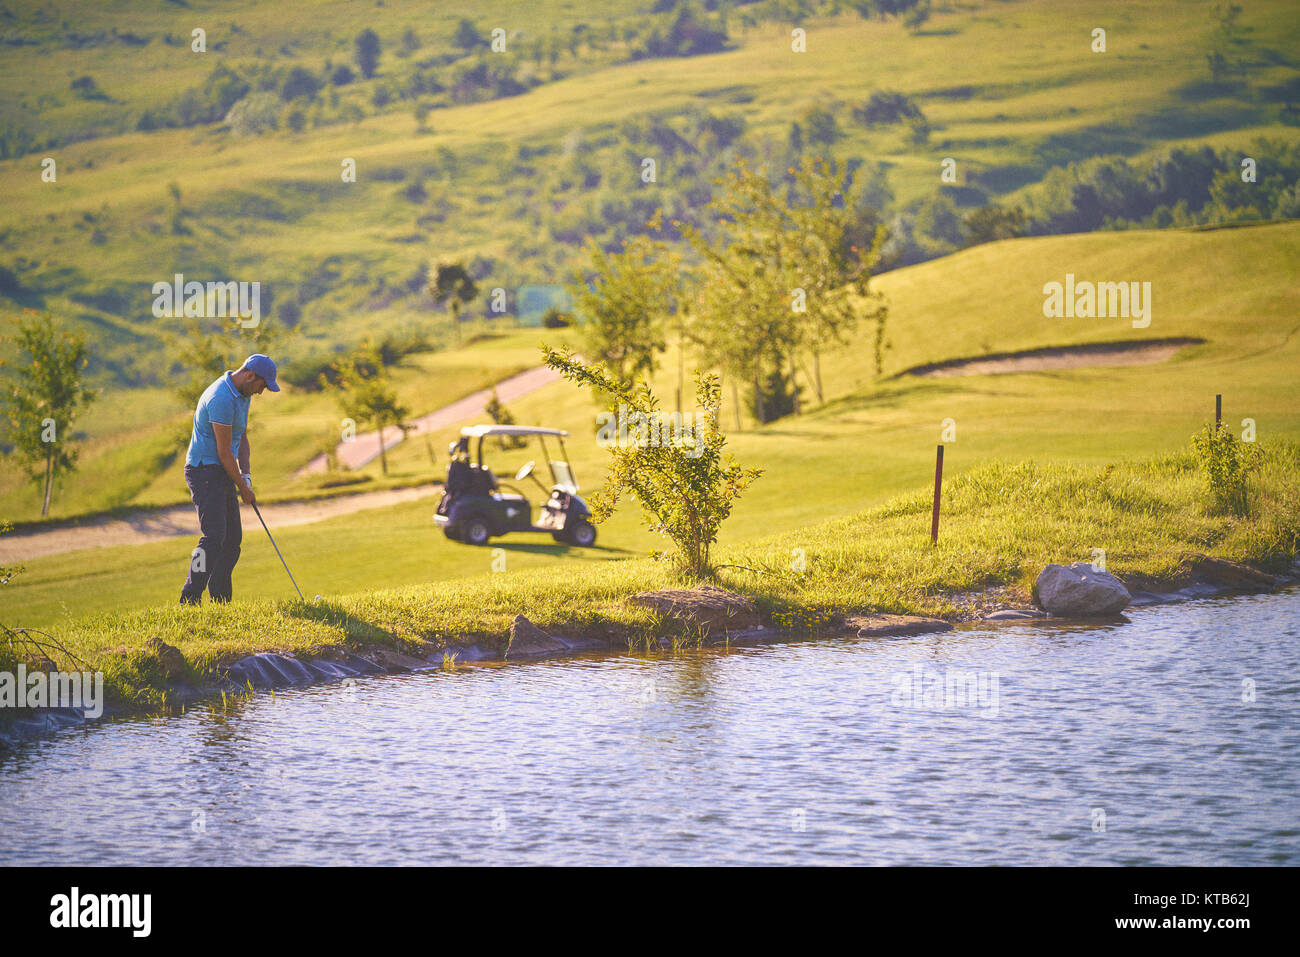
263, 366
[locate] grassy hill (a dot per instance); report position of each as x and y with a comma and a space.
871, 441
514, 184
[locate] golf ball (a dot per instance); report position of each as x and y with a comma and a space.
318, 597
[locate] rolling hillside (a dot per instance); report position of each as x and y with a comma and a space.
514, 184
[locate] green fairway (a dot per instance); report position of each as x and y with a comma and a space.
872, 440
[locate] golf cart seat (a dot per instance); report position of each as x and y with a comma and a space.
464, 478
458, 477
481, 480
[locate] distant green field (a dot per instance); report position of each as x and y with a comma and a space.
875, 438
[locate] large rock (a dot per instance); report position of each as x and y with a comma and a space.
526, 640
1220, 571
1078, 591
710, 609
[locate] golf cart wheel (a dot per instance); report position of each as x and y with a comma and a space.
451, 532
477, 531
559, 536
583, 534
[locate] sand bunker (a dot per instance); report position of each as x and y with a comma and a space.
1134, 352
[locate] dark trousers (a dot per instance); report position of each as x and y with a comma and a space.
220, 533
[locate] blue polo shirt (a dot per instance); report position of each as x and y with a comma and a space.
222, 403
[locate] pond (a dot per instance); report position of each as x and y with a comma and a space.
1170, 739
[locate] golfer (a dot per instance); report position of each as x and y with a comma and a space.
217, 473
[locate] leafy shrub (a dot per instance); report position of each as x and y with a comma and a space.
10, 284
1224, 463
301, 83
86, 88
555, 318
685, 489
886, 106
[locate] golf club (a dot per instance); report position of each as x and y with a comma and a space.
277, 551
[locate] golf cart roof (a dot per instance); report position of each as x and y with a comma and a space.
478, 431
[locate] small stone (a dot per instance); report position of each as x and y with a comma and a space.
170, 660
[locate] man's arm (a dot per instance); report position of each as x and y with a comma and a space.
244, 450
222, 433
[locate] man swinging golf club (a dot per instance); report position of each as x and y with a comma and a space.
217, 473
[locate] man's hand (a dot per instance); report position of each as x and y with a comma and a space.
246, 492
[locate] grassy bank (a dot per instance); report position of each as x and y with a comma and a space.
1002, 522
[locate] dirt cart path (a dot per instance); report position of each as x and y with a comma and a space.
181, 520
153, 525
365, 447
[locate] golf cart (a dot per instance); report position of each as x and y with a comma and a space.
475, 506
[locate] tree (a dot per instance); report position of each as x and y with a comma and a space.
620, 299
7, 572
467, 36
938, 220
366, 397
686, 489
43, 402
991, 223
915, 18
690, 35
884, 107
747, 326
782, 274
1227, 34
301, 83
827, 263
208, 347
367, 52
499, 414
453, 284
822, 128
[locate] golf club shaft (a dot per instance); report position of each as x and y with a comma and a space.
277, 551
